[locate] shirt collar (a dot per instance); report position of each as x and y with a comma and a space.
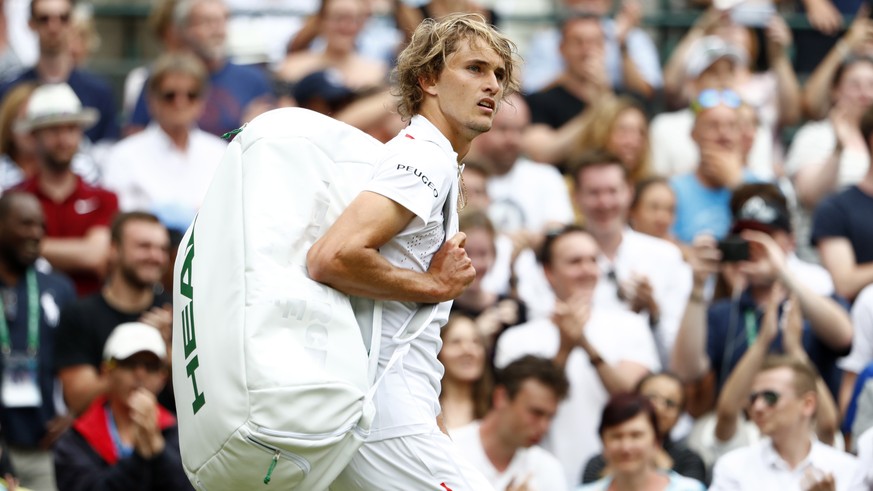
775, 461
420, 128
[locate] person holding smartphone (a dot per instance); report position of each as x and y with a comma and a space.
713, 336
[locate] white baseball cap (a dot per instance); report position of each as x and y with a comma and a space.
54, 104
131, 338
706, 51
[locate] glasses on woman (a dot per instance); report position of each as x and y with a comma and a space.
664, 401
770, 397
710, 98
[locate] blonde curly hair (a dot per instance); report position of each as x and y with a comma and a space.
432, 42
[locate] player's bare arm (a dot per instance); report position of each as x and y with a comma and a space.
347, 257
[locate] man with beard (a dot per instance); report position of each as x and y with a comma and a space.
77, 215
138, 258
31, 301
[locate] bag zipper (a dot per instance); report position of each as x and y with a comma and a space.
277, 453
314, 436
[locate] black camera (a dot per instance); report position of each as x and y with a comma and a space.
733, 249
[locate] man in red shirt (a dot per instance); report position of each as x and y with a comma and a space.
77, 215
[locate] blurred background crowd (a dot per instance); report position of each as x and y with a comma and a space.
672, 227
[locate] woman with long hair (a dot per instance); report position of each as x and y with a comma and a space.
619, 126
467, 383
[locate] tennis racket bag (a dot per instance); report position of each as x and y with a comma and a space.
271, 370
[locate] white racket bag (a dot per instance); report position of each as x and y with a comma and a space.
271, 371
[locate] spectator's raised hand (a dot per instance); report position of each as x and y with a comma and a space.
519, 484
792, 334
762, 247
770, 321
779, 36
594, 72
571, 316
816, 480
824, 16
628, 18
845, 125
704, 258
640, 295
861, 29
722, 166
147, 440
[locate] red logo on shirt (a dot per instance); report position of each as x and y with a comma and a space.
413, 138
444, 485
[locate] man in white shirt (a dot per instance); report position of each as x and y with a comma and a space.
166, 169
638, 272
526, 196
603, 351
398, 241
503, 445
783, 404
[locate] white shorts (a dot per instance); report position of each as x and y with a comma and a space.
426, 462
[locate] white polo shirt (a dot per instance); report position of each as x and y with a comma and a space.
150, 173
419, 172
539, 466
758, 466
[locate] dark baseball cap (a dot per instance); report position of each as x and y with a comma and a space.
758, 213
324, 84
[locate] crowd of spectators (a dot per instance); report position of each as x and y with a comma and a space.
674, 256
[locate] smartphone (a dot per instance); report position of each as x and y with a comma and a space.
733, 249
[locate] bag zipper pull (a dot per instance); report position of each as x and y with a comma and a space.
272, 466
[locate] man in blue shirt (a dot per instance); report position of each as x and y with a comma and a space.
236, 93
703, 196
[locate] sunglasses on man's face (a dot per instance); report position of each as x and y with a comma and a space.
770, 397
711, 98
44, 19
170, 96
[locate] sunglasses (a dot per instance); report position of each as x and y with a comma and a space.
711, 98
150, 366
171, 95
667, 402
770, 397
44, 19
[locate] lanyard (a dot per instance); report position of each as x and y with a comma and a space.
751, 327
123, 451
32, 318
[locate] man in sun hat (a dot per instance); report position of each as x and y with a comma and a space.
125, 439
77, 214
52, 22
